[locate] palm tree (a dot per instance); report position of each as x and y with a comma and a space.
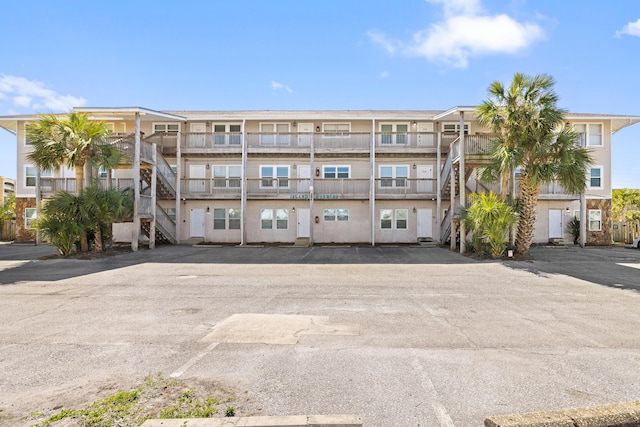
103, 208
531, 135
64, 222
73, 141
489, 218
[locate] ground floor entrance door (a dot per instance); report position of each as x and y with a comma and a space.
304, 222
425, 223
555, 224
196, 223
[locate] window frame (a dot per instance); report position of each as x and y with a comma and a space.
43, 174
283, 181
456, 127
395, 136
394, 179
275, 138
29, 220
227, 176
337, 133
338, 214
166, 125
590, 177
598, 220
217, 218
337, 172
393, 218
279, 218
587, 133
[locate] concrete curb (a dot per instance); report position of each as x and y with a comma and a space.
615, 415
277, 421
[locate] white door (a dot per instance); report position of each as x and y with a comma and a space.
555, 224
304, 222
305, 133
197, 175
426, 139
425, 223
196, 223
425, 176
304, 177
197, 139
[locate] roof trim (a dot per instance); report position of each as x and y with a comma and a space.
130, 110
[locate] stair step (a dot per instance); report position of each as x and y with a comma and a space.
302, 242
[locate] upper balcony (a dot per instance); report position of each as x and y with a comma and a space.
50, 186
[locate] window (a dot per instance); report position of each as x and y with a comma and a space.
455, 127
171, 212
219, 219
266, 219
226, 176
331, 172
30, 175
590, 133
234, 219
595, 220
274, 134
282, 219
336, 129
272, 176
393, 134
102, 172
393, 176
224, 134
281, 215
30, 215
595, 177
390, 219
341, 215
166, 127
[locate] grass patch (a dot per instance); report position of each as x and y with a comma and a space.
157, 397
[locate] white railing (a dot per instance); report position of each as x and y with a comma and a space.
341, 187
445, 174
146, 150
145, 208
50, 186
209, 141
165, 141
166, 172
213, 187
165, 222
359, 141
389, 186
445, 225
277, 186
406, 139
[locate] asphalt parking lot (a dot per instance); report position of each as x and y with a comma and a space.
401, 336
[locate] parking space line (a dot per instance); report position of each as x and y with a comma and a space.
194, 360
432, 395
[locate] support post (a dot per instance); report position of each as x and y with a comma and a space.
372, 182
243, 188
312, 170
462, 183
135, 234
178, 184
38, 203
438, 192
154, 177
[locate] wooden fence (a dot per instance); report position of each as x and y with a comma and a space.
7, 229
625, 232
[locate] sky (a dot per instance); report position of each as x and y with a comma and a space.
317, 55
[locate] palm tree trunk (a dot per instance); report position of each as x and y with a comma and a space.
97, 239
79, 178
528, 200
504, 185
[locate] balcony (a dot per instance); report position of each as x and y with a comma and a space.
210, 188
406, 142
401, 188
50, 186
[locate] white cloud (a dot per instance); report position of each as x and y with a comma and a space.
464, 32
632, 29
279, 87
34, 96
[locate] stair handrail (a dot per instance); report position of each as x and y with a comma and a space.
165, 171
445, 225
165, 223
445, 173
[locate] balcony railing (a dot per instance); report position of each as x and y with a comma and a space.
210, 188
404, 186
343, 187
50, 186
145, 208
166, 142
402, 140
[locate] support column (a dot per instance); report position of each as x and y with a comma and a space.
39, 202
154, 196
178, 185
372, 182
438, 169
312, 170
135, 234
463, 183
243, 188
452, 205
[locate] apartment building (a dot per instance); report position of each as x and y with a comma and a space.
8, 186
311, 177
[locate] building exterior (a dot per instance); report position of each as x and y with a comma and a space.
8, 186
370, 177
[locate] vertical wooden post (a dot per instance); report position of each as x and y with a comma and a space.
243, 189
154, 177
463, 183
178, 185
438, 169
135, 234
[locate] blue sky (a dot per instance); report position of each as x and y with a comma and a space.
317, 54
